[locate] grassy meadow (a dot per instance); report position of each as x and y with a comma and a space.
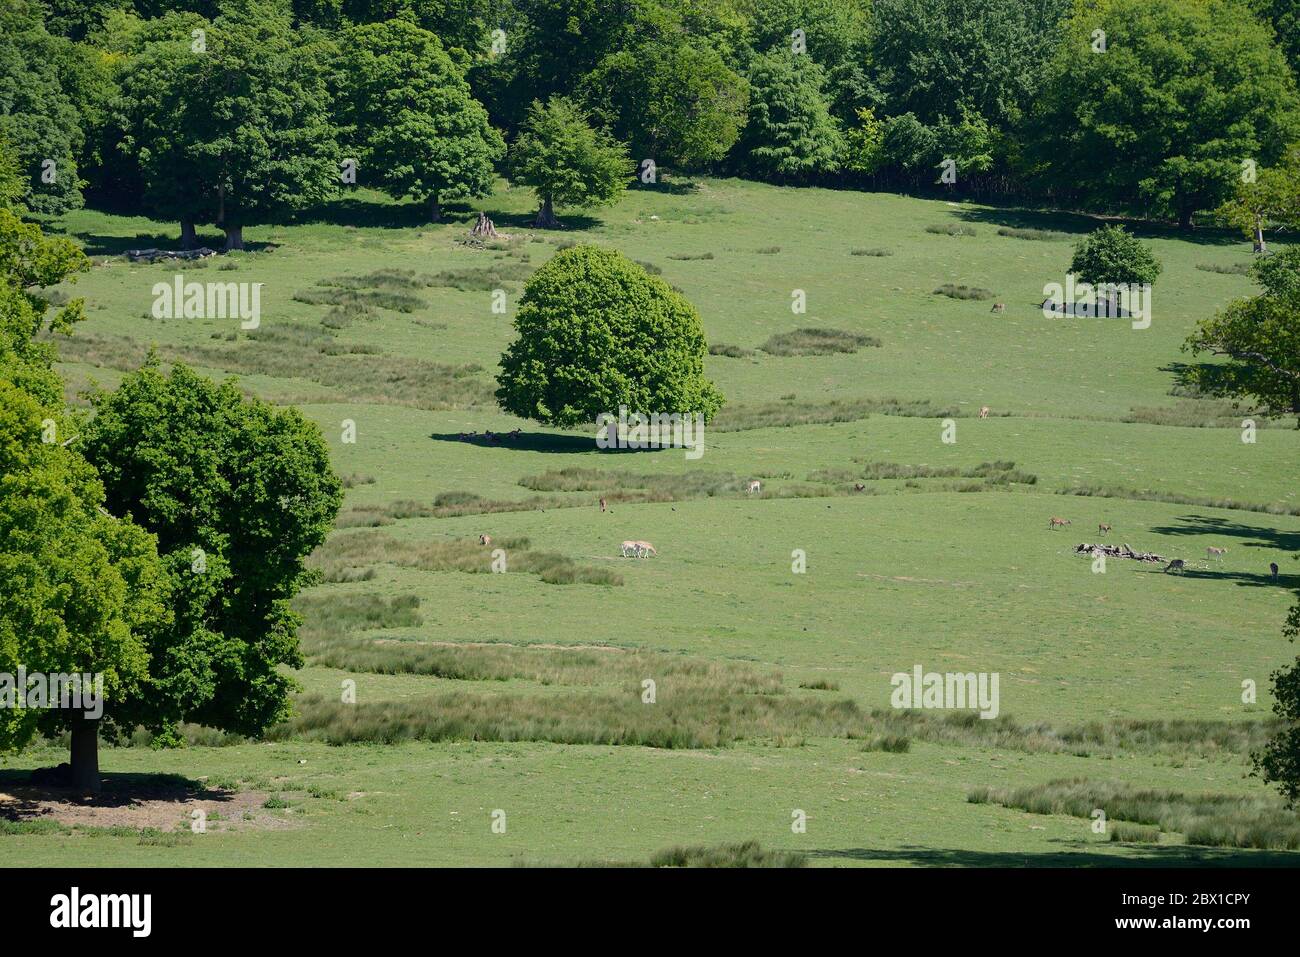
522, 692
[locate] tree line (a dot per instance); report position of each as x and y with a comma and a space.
237, 112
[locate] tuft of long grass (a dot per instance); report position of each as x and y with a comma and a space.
963, 292
743, 854
951, 229
1204, 501
816, 342
1044, 235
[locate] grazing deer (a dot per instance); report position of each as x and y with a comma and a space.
643, 549
999, 307
1103, 528
859, 487
602, 503
1053, 522
984, 412
754, 486
1272, 566
628, 546
485, 539
1213, 552
1177, 565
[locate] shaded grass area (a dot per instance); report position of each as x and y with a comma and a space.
1209, 820
360, 549
783, 414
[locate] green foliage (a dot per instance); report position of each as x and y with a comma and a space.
1278, 762
237, 133
37, 117
1270, 199
1114, 256
238, 493
1260, 337
864, 144
1162, 120
567, 162
594, 331
791, 134
676, 103
404, 105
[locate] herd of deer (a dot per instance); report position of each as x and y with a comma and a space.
1176, 564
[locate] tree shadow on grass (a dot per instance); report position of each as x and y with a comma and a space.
1082, 224
1254, 536
1072, 854
94, 245
1248, 579
564, 443
33, 799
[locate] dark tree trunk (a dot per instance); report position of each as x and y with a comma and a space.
1185, 219
435, 210
234, 237
546, 216
189, 239
84, 773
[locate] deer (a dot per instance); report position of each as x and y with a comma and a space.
1177, 565
1103, 528
859, 487
1054, 522
999, 307
1213, 552
602, 504
629, 546
1272, 566
485, 539
644, 549
754, 486
984, 412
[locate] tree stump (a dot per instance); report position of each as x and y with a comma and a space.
484, 229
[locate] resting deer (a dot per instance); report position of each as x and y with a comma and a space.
1177, 565
1053, 522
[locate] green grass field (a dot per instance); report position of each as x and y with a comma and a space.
943, 564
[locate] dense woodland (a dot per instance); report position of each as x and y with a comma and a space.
247, 111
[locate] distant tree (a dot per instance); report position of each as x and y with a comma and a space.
565, 161
1284, 17
1269, 199
908, 143
675, 103
864, 143
407, 108
11, 182
239, 122
595, 331
791, 134
1278, 762
1260, 338
990, 54
37, 117
968, 140
238, 493
1163, 120
463, 26
1112, 257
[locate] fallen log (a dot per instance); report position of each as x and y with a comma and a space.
1117, 551
153, 255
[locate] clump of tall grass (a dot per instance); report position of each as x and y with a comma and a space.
816, 342
951, 229
360, 612
701, 719
889, 743
1230, 269
461, 555
690, 257
1203, 501
1045, 235
676, 485
339, 296
1191, 414
744, 854
482, 280
1210, 820
732, 352
964, 292
871, 251
768, 250
326, 643
766, 415
353, 479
